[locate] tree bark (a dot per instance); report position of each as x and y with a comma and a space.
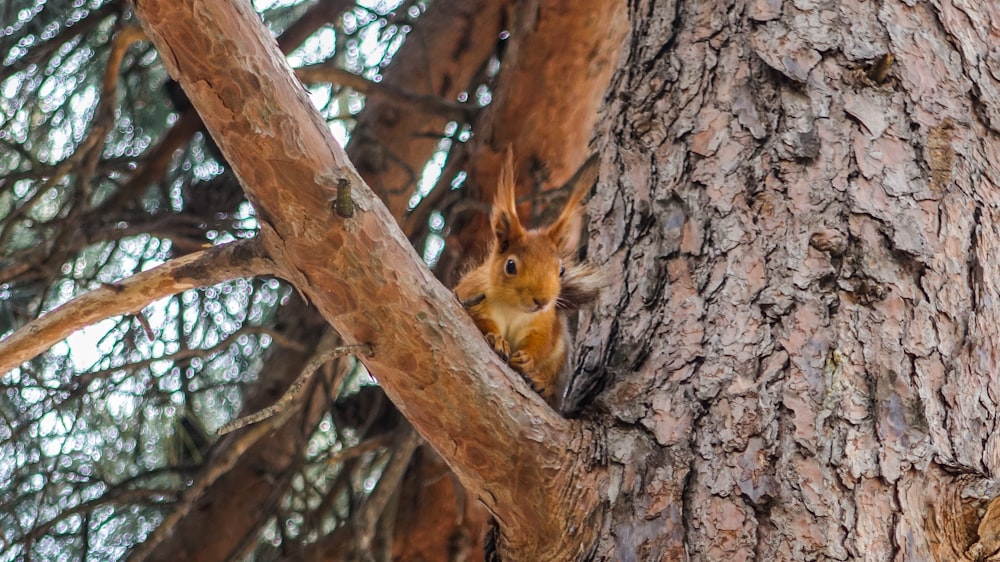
802, 348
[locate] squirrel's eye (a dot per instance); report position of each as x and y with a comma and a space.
562, 270
510, 267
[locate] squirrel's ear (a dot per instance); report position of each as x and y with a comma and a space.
565, 232
506, 226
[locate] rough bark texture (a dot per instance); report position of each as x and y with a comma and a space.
803, 347
361, 273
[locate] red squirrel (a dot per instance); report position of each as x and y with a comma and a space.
519, 296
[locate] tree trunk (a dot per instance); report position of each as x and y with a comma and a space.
802, 348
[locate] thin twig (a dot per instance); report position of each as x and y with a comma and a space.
84, 379
362, 448
295, 388
329, 73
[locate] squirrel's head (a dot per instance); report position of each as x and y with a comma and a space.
528, 265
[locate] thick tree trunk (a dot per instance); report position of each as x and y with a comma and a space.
803, 346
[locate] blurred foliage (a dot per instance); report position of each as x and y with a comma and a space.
101, 435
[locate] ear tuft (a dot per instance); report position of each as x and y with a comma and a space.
506, 226
565, 231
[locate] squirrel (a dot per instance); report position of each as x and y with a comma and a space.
519, 296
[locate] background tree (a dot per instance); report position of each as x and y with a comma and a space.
799, 352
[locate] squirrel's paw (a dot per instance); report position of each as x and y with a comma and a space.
525, 364
522, 362
499, 344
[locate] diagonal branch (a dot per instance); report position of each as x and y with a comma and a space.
502, 440
132, 294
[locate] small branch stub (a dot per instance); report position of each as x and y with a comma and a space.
344, 205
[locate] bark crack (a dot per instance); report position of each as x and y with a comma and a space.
975, 272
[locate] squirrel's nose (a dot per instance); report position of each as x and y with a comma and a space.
540, 303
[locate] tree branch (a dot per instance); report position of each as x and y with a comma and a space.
318, 15
502, 440
84, 380
129, 296
322, 356
328, 72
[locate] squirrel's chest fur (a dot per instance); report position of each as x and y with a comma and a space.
515, 324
